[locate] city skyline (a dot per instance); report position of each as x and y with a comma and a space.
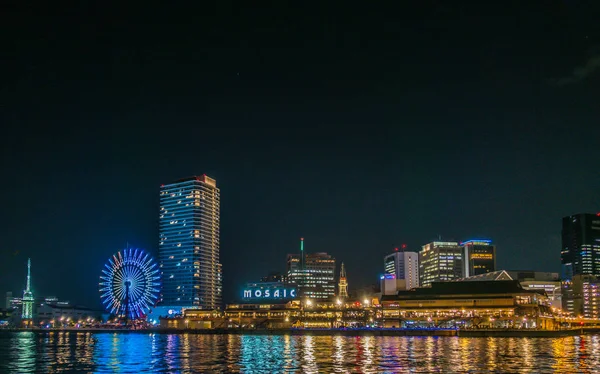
357, 128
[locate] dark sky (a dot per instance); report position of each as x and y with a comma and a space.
356, 126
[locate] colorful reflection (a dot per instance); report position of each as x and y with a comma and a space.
48, 352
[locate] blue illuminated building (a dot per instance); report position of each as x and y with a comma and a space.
189, 244
580, 252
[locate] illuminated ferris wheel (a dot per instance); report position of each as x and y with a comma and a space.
129, 284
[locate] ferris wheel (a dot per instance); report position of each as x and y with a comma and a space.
129, 284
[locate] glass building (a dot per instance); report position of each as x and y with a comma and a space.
314, 275
479, 257
440, 261
189, 244
580, 253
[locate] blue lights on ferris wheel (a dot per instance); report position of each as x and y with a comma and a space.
130, 283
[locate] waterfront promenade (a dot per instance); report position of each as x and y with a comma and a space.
333, 332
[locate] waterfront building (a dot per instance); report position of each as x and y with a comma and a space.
479, 257
189, 244
27, 306
468, 304
343, 284
580, 252
58, 313
529, 280
313, 274
440, 261
403, 267
268, 292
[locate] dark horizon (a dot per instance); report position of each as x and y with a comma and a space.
357, 128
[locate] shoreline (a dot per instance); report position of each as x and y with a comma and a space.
333, 332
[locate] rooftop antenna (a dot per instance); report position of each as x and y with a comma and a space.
302, 252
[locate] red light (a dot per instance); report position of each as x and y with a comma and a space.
598, 214
396, 249
403, 246
162, 185
301, 238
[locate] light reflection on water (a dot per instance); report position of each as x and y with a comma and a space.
27, 352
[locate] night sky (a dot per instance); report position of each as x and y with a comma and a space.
355, 126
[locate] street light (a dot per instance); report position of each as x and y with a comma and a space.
366, 302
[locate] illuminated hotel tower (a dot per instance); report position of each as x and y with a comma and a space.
343, 285
27, 311
189, 244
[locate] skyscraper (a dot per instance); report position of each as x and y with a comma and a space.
27, 306
189, 243
479, 257
404, 266
314, 277
440, 261
580, 253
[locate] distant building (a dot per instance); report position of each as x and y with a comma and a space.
479, 257
440, 261
189, 244
275, 277
9, 297
580, 252
581, 296
314, 275
404, 266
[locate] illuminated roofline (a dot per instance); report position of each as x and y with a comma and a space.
487, 241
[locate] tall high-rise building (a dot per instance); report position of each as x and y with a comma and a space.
9, 297
27, 306
313, 274
479, 257
440, 261
404, 266
580, 253
189, 244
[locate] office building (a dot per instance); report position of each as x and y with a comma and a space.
9, 297
580, 252
313, 274
404, 267
479, 257
189, 244
274, 276
440, 261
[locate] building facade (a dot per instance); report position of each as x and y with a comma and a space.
189, 244
313, 274
479, 257
581, 296
580, 252
404, 266
440, 261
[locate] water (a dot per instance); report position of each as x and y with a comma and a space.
53, 352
